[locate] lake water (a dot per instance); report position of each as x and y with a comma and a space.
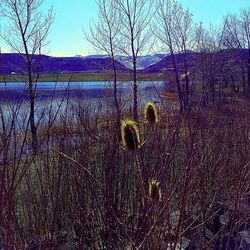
93, 97
16, 91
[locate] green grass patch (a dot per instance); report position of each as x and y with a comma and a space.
83, 77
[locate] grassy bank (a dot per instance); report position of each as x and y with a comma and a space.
82, 77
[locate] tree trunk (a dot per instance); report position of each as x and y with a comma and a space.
135, 87
33, 127
31, 89
177, 80
243, 76
248, 75
118, 113
187, 90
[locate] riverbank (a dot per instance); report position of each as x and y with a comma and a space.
83, 77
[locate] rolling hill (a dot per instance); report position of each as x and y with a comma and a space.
11, 63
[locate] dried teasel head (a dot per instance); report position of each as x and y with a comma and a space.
154, 191
130, 135
150, 113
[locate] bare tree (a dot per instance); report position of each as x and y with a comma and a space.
208, 60
26, 33
135, 36
236, 35
173, 28
104, 36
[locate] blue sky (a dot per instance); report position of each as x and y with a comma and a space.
72, 16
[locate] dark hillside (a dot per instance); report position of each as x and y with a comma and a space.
11, 63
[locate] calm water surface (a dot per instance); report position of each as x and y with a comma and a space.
14, 91
93, 97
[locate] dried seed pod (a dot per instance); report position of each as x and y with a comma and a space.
130, 135
150, 112
154, 191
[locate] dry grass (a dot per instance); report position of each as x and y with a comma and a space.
84, 190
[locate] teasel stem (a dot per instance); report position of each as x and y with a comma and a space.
151, 209
141, 179
166, 203
131, 142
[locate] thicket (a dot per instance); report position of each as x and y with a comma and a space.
186, 180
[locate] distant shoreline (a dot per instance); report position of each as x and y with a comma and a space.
83, 77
